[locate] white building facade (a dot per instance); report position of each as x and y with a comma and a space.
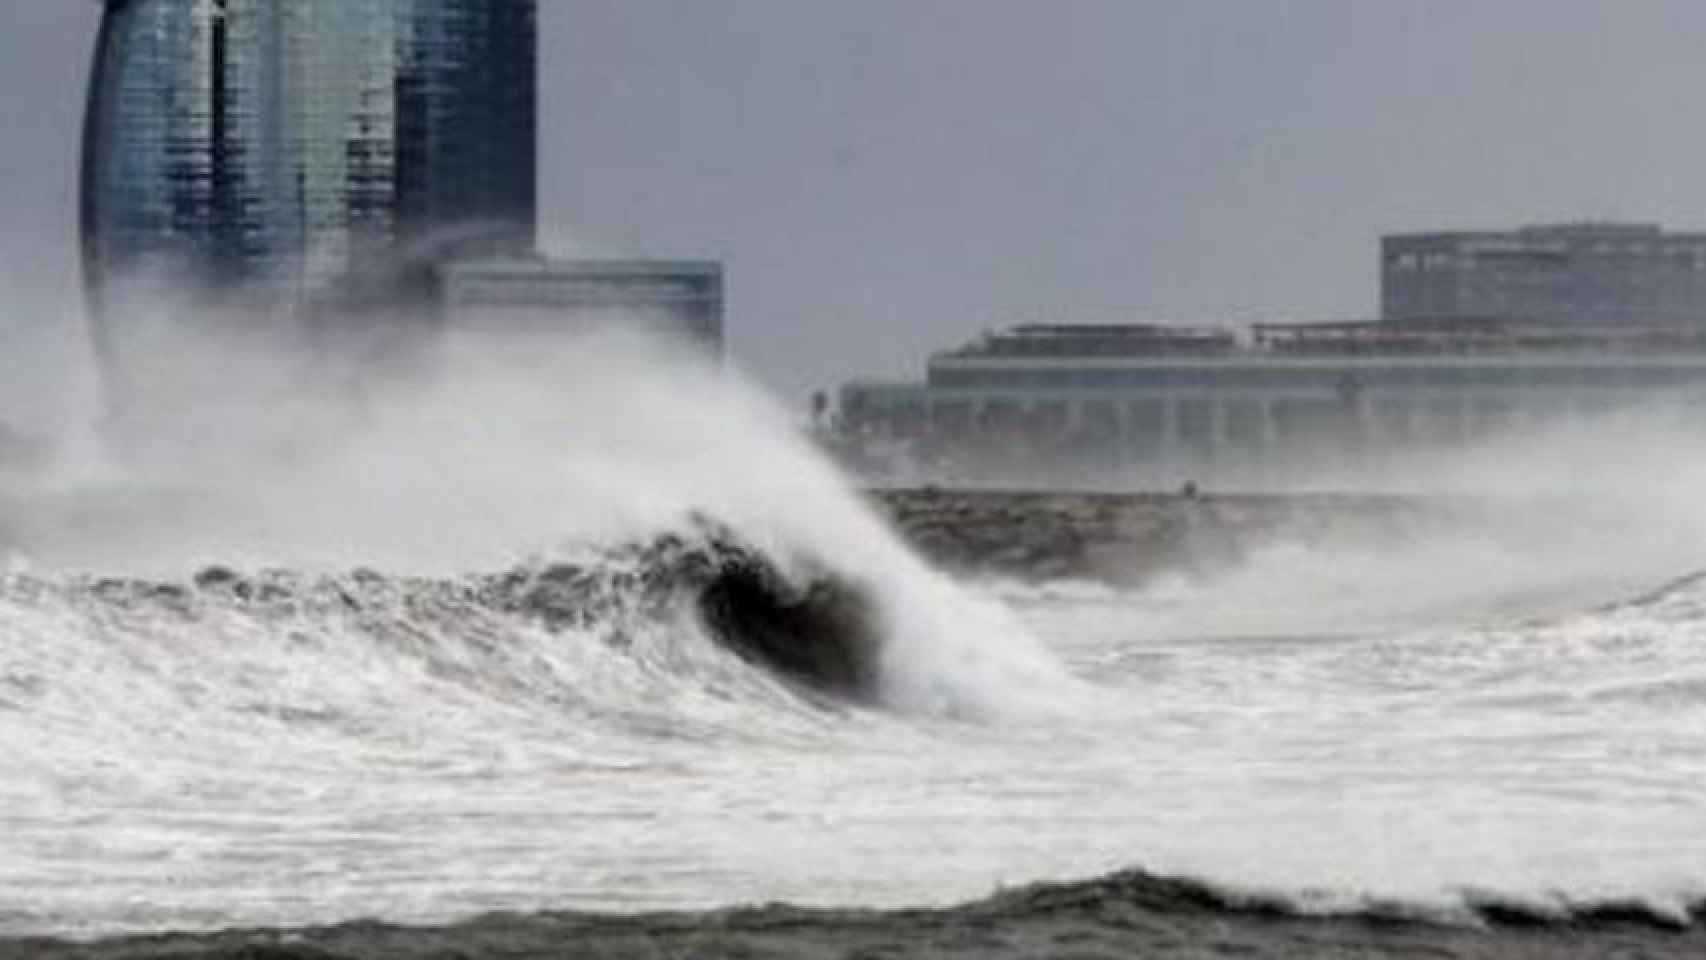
1287, 404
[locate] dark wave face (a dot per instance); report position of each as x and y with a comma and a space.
823, 635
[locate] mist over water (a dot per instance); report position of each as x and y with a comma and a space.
1509, 697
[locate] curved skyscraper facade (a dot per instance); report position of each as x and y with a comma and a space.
287, 154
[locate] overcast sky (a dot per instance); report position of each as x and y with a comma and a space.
887, 177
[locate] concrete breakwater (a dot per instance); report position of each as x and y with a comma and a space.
1129, 538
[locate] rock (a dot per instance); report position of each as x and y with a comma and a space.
1125, 538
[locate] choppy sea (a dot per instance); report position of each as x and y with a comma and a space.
294, 748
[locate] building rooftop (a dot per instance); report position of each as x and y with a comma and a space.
1579, 230
540, 265
1478, 336
1473, 335
1095, 339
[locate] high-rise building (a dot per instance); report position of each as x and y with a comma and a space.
295, 153
283, 197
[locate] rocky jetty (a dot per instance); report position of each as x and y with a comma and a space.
1129, 538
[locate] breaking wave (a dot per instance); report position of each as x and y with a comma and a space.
817, 632
1483, 909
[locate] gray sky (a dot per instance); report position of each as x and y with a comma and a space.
886, 177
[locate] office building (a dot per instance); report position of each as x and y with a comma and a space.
319, 185
674, 300
280, 154
1590, 274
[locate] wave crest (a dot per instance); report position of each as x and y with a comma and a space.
817, 631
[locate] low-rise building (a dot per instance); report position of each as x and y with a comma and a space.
1152, 406
671, 299
1595, 274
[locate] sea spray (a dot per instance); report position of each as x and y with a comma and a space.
488, 449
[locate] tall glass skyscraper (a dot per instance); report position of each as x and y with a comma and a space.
291, 153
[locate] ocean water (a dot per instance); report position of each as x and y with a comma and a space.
303, 749
386, 726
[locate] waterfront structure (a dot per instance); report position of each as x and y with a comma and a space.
1483, 335
1152, 406
285, 155
1592, 274
674, 300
